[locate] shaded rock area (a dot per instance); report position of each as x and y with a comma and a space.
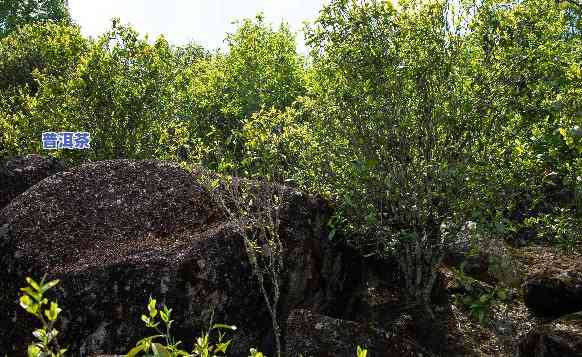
322, 336
20, 173
553, 294
559, 338
485, 259
117, 231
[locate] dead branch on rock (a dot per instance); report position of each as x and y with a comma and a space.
253, 208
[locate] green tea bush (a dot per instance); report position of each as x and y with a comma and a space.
279, 147
532, 102
26, 55
399, 124
259, 70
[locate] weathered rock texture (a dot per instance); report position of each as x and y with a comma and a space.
485, 259
554, 293
115, 232
20, 173
321, 336
560, 338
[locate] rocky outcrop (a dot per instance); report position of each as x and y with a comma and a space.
20, 173
115, 232
485, 259
312, 334
560, 338
554, 294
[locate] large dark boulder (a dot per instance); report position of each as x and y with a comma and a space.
560, 338
20, 173
115, 232
554, 294
317, 335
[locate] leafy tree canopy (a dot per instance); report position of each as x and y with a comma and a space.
14, 13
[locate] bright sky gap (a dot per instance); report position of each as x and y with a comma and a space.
205, 22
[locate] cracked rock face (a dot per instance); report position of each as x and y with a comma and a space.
116, 232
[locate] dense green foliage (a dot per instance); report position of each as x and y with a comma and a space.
261, 69
527, 63
15, 13
413, 119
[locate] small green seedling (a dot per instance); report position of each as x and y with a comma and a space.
255, 353
47, 312
361, 352
146, 347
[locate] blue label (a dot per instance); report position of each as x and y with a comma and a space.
66, 140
